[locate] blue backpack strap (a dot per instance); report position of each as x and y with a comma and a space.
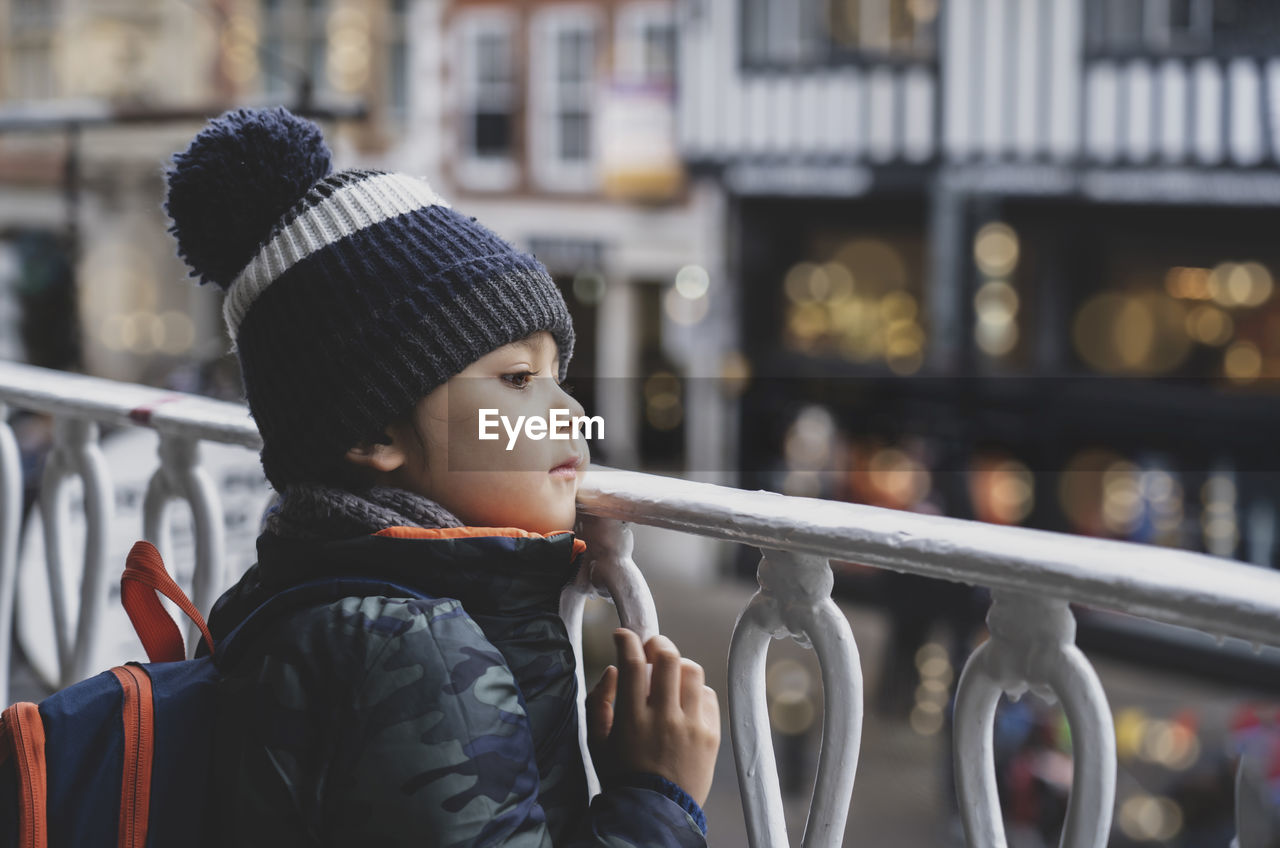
310, 593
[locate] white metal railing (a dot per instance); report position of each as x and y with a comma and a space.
1033, 574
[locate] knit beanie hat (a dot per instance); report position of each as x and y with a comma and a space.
349, 295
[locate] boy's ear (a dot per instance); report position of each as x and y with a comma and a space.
377, 456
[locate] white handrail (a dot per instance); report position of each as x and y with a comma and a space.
1219, 596
1222, 597
65, 395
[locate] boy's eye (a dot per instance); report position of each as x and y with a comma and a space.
521, 378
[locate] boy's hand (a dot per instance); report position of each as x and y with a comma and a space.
667, 723
600, 718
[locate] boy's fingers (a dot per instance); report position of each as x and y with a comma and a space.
600, 705
711, 707
692, 679
664, 686
608, 685
631, 671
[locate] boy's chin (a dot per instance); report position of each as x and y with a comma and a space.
543, 524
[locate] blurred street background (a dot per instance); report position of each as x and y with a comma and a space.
1002, 260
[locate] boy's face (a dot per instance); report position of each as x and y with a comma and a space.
481, 481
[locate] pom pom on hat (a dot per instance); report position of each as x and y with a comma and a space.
234, 183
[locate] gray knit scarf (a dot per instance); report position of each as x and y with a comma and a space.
315, 511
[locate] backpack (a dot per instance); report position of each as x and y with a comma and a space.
123, 758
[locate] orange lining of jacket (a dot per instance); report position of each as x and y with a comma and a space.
400, 532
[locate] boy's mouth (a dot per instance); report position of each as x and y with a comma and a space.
568, 468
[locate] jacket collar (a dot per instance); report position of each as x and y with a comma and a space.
491, 570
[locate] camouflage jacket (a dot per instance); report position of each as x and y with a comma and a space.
389, 721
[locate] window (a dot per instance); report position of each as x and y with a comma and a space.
293, 47
1141, 25
820, 32
316, 44
31, 50
31, 14
562, 94
491, 118
485, 92
660, 52
398, 70
1225, 27
574, 56
879, 26
646, 45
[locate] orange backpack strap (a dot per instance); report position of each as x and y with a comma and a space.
144, 576
24, 731
139, 749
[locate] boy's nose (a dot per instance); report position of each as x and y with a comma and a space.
574, 407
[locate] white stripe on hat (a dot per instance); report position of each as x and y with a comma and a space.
347, 211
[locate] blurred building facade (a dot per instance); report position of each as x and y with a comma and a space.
74, 208
95, 97
911, 229
554, 123
1007, 260
1050, 215
560, 132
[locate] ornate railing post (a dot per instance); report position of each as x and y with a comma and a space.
607, 571
1257, 821
76, 453
1032, 646
180, 475
794, 600
10, 528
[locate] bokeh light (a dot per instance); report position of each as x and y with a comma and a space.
1001, 488
1149, 818
664, 409
684, 310
1142, 333
1242, 362
693, 281
1209, 325
995, 249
